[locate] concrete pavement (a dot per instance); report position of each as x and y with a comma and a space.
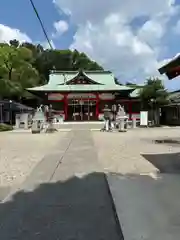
65, 200
147, 207
66, 196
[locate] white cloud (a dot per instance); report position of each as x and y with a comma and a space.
95, 11
176, 28
60, 27
153, 30
7, 34
106, 35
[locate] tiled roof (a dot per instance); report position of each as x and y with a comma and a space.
58, 80
80, 88
14, 105
101, 77
174, 96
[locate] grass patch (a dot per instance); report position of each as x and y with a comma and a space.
5, 127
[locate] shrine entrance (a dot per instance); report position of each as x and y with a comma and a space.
81, 110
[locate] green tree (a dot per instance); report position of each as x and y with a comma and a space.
14, 43
153, 91
16, 70
153, 95
81, 61
35, 49
27, 65
63, 60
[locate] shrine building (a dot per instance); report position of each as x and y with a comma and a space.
172, 68
82, 95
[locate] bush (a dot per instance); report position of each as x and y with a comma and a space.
5, 127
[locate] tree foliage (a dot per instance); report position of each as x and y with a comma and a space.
16, 70
153, 92
28, 65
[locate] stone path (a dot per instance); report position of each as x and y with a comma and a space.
66, 195
72, 202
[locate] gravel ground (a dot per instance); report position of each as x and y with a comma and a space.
123, 152
117, 152
20, 152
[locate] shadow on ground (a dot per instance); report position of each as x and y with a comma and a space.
166, 163
76, 209
148, 207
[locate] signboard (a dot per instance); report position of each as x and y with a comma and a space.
143, 118
106, 96
55, 96
81, 95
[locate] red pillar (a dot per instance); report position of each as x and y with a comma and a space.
65, 106
97, 105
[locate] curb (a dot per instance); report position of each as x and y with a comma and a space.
118, 225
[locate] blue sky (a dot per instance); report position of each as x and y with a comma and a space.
21, 15
88, 31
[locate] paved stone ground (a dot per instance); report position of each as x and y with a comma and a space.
74, 203
128, 152
20, 152
148, 208
66, 195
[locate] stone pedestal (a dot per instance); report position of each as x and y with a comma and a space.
35, 127
51, 128
134, 123
121, 125
22, 120
107, 125
17, 123
26, 124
